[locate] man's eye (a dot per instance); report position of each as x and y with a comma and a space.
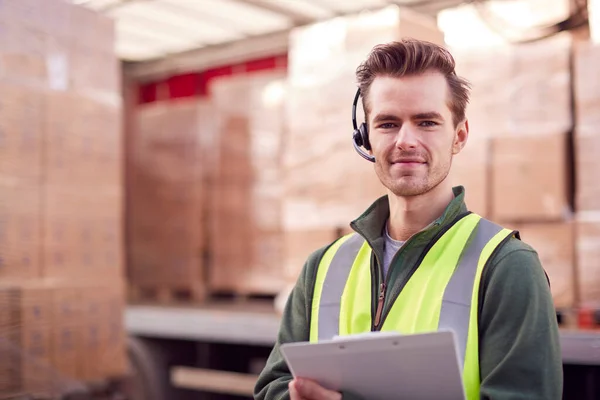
388, 125
428, 124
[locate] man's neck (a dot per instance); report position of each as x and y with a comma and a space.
409, 215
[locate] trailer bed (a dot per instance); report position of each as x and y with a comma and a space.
257, 323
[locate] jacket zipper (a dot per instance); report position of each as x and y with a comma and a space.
382, 287
377, 322
380, 305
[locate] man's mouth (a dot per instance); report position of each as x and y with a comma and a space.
408, 161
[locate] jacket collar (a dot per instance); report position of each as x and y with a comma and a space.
371, 224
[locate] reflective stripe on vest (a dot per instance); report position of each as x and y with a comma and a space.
441, 294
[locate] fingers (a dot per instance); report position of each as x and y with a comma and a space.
294, 395
309, 390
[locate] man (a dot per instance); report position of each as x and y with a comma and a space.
418, 247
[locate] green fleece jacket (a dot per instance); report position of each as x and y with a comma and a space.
519, 344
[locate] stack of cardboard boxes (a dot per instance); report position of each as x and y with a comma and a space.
246, 185
167, 197
61, 280
205, 192
587, 170
327, 184
530, 146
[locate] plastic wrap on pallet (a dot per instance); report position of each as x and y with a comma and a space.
470, 169
530, 180
21, 116
587, 84
25, 328
587, 168
246, 188
60, 194
82, 140
588, 254
20, 240
513, 112
541, 86
167, 194
58, 336
82, 237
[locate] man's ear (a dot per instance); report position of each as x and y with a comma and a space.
460, 137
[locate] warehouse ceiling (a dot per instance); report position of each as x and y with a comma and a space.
153, 29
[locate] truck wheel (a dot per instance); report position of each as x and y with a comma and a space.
149, 370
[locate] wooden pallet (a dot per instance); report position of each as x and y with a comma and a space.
167, 295
241, 296
579, 318
566, 317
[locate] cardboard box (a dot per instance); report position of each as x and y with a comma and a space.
83, 231
555, 245
489, 106
540, 99
588, 253
246, 185
113, 359
82, 140
530, 177
168, 195
587, 168
20, 230
67, 330
23, 56
20, 131
586, 86
471, 168
25, 321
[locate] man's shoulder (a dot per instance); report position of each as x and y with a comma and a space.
514, 261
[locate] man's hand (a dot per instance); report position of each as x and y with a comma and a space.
303, 389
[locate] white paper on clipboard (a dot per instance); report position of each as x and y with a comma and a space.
382, 366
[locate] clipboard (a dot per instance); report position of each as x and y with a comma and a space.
382, 366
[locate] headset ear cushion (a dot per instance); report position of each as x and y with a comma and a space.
357, 137
364, 134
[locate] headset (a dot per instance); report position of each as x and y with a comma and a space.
360, 136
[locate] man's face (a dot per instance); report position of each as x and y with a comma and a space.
412, 134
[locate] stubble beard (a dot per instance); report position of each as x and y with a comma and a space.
414, 185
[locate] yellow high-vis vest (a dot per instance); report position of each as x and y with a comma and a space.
442, 293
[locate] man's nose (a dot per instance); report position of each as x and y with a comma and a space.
406, 138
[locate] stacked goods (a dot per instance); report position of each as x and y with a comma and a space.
587, 170
530, 160
531, 163
167, 238
57, 336
167, 196
521, 109
60, 192
246, 189
326, 183
487, 114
